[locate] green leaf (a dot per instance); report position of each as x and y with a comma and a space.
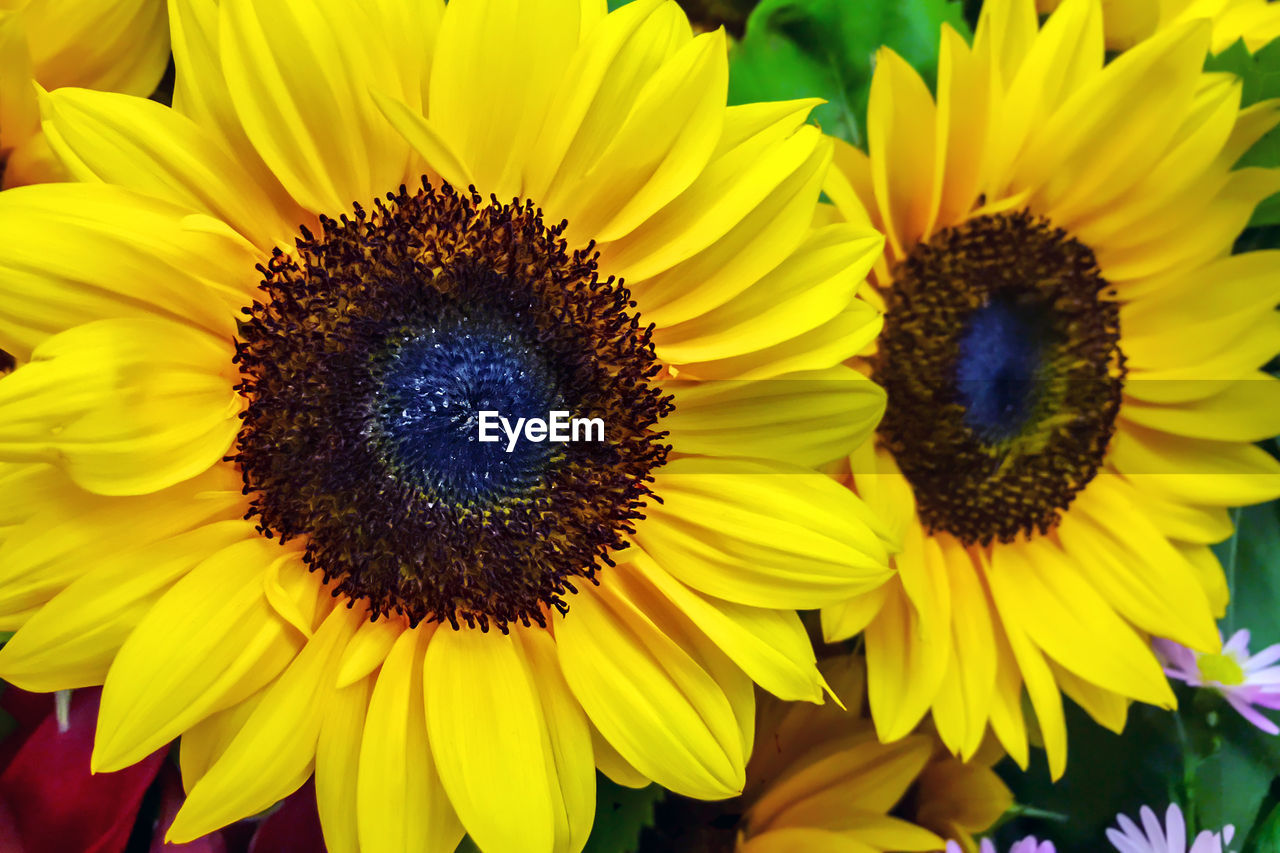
621, 815
1251, 560
826, 49
1260, 74
1266, 833
1229, 784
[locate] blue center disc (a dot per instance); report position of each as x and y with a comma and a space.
434, 387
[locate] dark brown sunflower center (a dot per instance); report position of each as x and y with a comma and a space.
453, 409
1001, 360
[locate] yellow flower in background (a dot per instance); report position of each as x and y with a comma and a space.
241, 484
1127, 22
113, 45
1072, 359
821, 782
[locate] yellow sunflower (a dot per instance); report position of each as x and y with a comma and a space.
1072, 358
246, 482
115, 45
1127, 22
821, 782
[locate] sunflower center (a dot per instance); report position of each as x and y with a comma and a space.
1000, 356
1002, 364
434, 387
378, 367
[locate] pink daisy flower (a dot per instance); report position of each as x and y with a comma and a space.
1026, 845
1247, 681
1170, 838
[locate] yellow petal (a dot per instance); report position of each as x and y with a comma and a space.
613, 765
662, 712
808, 289
1007, 28
1211, 473
368, 649
1248, 410
762, 534
803, 418
762, 181
906, 652
122, 46
299, 74
569, 743
1108, 709
495, 69
135, 257
401, 807
770, 645
832, 343
202, 744
274, 752
71, 641
842, 621
901, 128
418, 131
338, 764
1006, 704
966, 96
143, 145
615, 57
803, 840
72, 532
1101, 139
853, 770
659, 150
488, 735
210, 642
1128, 561
1038, 586
1041, 688
19, 112
1067, 52
126, 406
964, 698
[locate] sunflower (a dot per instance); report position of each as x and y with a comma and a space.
1072, 358
244, 485
1127, 22
115, 45
821, 781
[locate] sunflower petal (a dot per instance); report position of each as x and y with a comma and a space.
71, 641
799, 540
126, 406
135, 257
401, 806
210, 642
663, 713
285, 726
803, 419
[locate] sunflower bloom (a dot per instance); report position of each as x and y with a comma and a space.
1071, 407
247, 487
113, 45
1127, 22
822, 781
